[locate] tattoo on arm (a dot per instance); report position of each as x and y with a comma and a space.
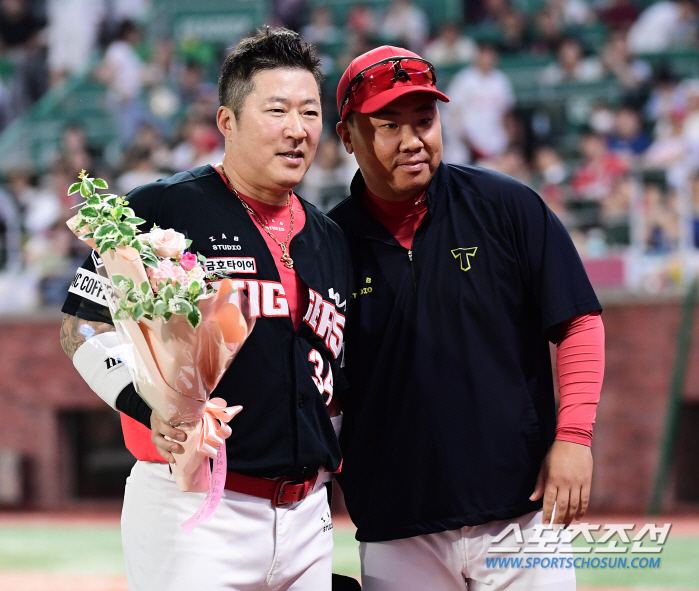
75, 331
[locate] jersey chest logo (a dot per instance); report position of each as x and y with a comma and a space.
266, 298
464, 255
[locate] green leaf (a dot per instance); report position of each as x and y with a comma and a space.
100, 183
106, 230
194, 317
194, 289
153, 264
148, 306
126, 230
84, 191
110, 200
187, 243
117, 212
89, 212
128, 212
161, 286
135, 243
74, 188
122, 282
93, 201
123, 304
132, 296
137, 312
89, 185
134, 221
201, 258
87, 236
168, 293
167, 316
144, 287
106, 245
182, 307
159, 308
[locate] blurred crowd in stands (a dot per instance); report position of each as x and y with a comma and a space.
621, 170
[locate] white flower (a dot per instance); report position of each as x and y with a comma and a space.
197, 274
167, 243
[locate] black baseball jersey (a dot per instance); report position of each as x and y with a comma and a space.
284, 428
451, 403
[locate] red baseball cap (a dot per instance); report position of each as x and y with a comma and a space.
371, 100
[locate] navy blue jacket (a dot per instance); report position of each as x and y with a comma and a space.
451, 404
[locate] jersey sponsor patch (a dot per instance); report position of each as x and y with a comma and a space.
231, 265
88, 285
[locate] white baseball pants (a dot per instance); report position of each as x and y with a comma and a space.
456, 561
249, 545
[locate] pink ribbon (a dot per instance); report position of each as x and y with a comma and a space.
212, 444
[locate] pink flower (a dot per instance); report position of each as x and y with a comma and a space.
167, 270
188, 261
167, 243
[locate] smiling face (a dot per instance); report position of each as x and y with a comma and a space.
397, 148
270, 146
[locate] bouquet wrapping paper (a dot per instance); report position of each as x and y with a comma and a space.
175, 367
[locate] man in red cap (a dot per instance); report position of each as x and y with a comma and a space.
453, 454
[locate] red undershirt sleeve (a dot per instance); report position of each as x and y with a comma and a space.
580, 369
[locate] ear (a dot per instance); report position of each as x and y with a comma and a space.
225, 121
343, 130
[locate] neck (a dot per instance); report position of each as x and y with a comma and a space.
387, 194
269, 196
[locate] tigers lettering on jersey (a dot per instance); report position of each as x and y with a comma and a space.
266, 298
325, 321
231, 265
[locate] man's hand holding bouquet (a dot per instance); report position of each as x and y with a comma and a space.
177, 333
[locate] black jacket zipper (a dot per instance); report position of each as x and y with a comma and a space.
412, 268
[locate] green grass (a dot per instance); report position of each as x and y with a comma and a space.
678, 569
83, 550
346, 554
97, 550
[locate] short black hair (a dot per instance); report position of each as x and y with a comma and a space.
266, 50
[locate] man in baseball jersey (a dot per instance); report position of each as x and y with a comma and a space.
272, 529
461, 277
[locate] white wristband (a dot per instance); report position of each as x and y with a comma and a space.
337, 424
97, 362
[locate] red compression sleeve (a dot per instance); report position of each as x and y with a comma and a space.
580, 369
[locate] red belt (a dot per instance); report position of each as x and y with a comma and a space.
280, 492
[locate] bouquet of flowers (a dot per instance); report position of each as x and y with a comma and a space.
177, 333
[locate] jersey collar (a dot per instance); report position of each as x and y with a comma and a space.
369, 226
